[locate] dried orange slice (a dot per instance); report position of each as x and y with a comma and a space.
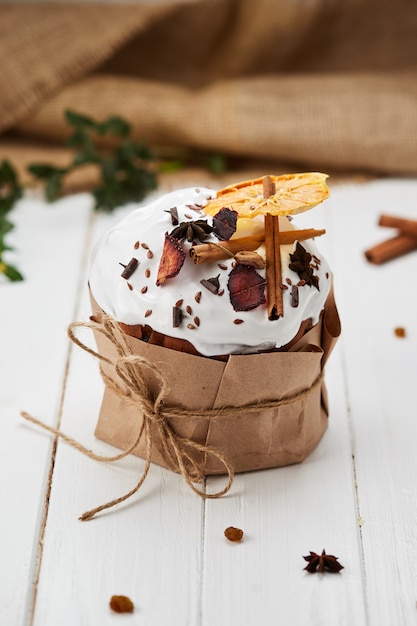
294, 193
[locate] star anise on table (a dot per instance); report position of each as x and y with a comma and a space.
300, 263
191, 231
322, 562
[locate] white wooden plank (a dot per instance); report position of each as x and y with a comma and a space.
165, 548
285, 513
381, 374
149, 548
33, 314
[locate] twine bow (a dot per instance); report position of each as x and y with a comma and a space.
130, 370
154, 416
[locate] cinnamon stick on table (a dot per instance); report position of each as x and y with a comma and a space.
274, 300
391, 249
406, 226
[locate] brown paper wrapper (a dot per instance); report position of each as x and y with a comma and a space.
268, 437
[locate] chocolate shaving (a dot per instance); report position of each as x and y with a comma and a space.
173, 211
177, 316
246, 287
294, 296
224, 223
212, 284
129, 268
300, 263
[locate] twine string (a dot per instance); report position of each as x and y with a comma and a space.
179, 451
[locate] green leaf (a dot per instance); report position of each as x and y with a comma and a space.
82, 158
44, 171
79, 120
11, 272
216, 163
114, 125
53, 187
173, 165
8, 174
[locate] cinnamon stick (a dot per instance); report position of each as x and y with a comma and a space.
274, 300
208, 252
391, 249
406, 226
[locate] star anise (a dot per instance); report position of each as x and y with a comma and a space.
191, 231
322, 562
300, 263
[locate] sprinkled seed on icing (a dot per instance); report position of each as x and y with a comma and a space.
148, 313
150, 254
179, 302
137, 244
288, 281
130, 286
147, 272
238, 321
144, 289
284, 287
197, 321
145, 246
197, 296
221, 292
222, 266
191, 326
189, 309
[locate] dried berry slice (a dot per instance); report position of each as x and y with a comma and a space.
224, 223
172, 259
246, 287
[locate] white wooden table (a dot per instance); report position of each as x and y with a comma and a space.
355, 496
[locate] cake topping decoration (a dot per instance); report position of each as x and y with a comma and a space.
246, 287
224, 223
129, 268
294, 296
212, 284
273, 196
300, 263
173, 211
172, 259
249, 257
177, 316
191, 231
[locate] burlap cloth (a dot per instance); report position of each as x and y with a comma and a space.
311, 85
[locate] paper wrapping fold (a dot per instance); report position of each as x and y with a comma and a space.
261, 439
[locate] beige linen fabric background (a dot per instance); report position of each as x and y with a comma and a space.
293, 84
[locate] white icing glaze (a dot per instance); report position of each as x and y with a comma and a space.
217, 333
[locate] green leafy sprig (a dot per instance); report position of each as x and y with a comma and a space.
127, 172
10, 192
